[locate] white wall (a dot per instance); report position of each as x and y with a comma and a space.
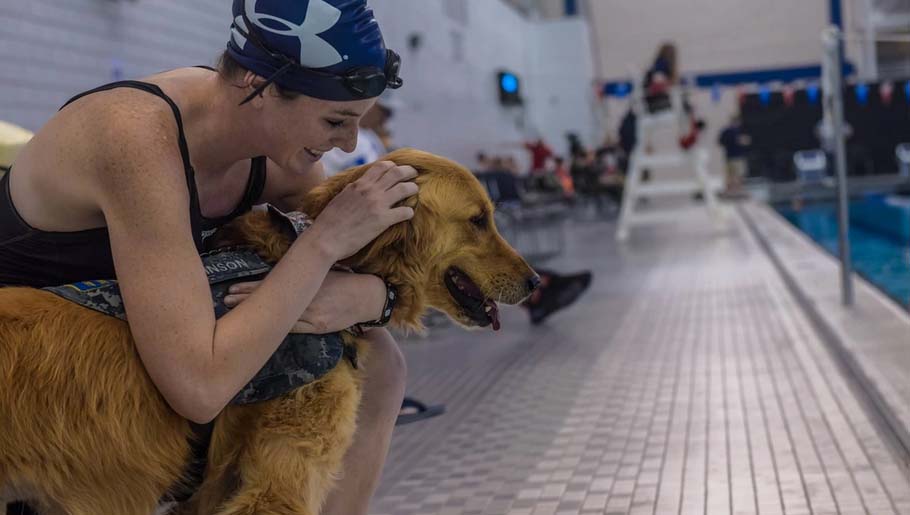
451, 104
711, 35
449, 98
53, 49
562, 90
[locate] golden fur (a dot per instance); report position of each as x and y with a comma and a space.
83, 431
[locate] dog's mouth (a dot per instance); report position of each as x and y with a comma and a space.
471, 300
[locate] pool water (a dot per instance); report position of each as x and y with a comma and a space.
879, 238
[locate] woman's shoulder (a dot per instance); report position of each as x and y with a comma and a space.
101, 118
94, 148
106, 143
149, 103
113, 124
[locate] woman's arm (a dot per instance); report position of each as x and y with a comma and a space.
343, 299
196, 363
199, 364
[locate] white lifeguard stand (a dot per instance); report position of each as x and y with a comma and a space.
695, 160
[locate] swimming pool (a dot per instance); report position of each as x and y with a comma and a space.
879, 238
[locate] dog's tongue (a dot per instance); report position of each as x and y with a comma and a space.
493, 313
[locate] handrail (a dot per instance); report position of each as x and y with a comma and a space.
833, 108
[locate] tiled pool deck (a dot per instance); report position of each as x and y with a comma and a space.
688, 380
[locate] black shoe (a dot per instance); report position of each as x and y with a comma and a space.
560, 293
413, 410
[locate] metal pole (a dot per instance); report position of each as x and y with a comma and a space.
834, 106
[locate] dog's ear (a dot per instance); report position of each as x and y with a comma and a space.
320, 196
400, 239
256, 229
399, 255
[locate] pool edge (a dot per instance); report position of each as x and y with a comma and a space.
887, 391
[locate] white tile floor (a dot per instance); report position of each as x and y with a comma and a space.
686, 381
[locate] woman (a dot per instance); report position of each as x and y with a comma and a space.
660, 77
129, 179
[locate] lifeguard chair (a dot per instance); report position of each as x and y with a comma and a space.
695, 160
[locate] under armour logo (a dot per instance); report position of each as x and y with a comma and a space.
315, 52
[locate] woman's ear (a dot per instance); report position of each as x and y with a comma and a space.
249, 83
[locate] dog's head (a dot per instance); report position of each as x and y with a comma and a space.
449, 256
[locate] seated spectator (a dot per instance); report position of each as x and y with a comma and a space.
502, 185
583, 167
613, 161
510, 165
591, 178
483, 163
540, 153
564, 178
373, 139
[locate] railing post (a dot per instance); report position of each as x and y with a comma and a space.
832, 83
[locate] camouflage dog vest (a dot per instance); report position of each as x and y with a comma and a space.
299, 360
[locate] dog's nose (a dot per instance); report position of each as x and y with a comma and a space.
533, 283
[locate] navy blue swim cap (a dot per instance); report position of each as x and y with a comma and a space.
327, 49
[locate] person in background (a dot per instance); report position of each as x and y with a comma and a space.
510, 165
735, 144
583, 166
373, 139
540, 153
561, 172
612, 162
612, 159
483, 163
659, 79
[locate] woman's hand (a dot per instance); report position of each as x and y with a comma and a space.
364, 208
343, 300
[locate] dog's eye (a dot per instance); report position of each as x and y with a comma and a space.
480, 220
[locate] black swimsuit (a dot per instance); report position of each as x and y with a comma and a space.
31, 257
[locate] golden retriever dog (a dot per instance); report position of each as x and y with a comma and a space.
83, 431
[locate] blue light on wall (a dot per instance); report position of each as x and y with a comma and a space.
509, 83
509, 89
